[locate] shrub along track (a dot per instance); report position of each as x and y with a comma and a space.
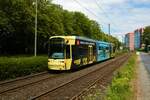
65, 86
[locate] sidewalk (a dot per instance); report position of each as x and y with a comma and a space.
143, 79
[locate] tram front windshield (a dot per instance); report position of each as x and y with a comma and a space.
58, 49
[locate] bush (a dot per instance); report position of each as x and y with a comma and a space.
12, 67
121, 88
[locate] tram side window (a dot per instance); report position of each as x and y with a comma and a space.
75, 53
107, 49
79, 51
110, 48
100, 48
68, 51
56, 51
83, 50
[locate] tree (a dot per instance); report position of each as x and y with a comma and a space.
95, 30
146, 36
17, 20
17, 25
67, 21
80, 24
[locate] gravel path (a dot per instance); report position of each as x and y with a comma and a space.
143, 81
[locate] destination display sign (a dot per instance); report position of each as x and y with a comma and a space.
84, 42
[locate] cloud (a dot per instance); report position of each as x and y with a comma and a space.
141, 1
123, 15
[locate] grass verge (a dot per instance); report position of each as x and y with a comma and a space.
15, 66
120, 52
121, 87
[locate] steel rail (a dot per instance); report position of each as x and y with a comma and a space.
22, 78
68, 82
29, 83
96, 81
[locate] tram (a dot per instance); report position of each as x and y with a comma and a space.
72, 52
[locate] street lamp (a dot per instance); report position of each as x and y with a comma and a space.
109, 29
35, 38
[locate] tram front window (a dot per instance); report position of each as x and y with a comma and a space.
57, 55
58, 49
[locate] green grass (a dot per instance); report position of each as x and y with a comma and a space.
121, 87
16, 66
120, 52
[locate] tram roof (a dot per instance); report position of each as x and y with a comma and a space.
81, 38
74, 37
102, 42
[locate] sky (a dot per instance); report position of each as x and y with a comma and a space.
124, 16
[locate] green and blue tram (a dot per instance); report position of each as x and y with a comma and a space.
103, 50
72, 52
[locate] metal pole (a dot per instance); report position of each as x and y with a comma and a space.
35, 42
109, 29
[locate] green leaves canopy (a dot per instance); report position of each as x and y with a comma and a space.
146, 35
17, 19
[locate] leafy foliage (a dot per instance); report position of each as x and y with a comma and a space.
17, 22
146, 36
121, 88
16, 66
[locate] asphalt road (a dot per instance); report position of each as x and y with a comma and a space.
143, 80
145, 59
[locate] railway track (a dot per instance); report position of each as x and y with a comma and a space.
21, 78
49, 86
21, 82
83, 82
101, 81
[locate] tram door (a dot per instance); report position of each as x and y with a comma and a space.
90, 49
